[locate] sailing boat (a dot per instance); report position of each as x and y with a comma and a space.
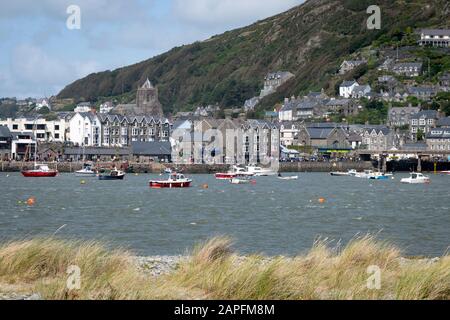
40, 170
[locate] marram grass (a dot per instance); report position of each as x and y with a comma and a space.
214, 271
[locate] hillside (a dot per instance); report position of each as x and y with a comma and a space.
310, 41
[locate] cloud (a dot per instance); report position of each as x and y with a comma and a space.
221, 13
32, 67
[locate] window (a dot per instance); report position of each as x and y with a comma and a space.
28, 126
135, 132
56, 127
56, 135
430, 121
15, 127
106, 132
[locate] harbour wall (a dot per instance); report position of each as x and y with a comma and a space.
68, 167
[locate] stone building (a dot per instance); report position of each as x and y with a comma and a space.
435, 37
147, 102
401, 116
273, 81
121, 131
438, 139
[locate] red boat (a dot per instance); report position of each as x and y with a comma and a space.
226, 176
40, 171
175, 180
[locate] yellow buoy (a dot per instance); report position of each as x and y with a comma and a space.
82, 182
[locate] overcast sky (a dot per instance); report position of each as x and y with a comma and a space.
39, 55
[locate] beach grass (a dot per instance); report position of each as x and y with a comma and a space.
214, 271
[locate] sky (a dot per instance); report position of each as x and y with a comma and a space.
40, 55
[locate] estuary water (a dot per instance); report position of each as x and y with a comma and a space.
272, 217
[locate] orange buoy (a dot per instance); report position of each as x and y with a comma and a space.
205, 186
322, 200
31, 201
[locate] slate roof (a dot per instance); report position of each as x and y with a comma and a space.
348, 83
426, 114
153, 148
4, 132
436, 32
439, 134
319, 133
443, 122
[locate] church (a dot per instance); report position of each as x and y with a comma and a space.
147, 102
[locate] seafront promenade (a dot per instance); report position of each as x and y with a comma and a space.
68, 167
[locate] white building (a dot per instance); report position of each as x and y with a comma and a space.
85, 130
347, 87
106, 107
41, 103
45, 131
83, 107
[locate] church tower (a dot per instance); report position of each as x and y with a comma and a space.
147, 100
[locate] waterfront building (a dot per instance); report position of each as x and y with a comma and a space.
401, 116
289, 133
23, 145
45, 131
5, 143
377, 138
423, 121
323, 136
151, 151
438, 139
121, 131
435, 37
85, 129
346, 88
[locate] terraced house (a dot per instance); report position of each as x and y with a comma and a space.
439, 139
121, 131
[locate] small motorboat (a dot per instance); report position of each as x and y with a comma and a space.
175, 180
86, 171
236, 172
340, 174
416, 178
40, 171
260, 172
445, 172
379, 176
113, 174
365, 175
288, 178
240, 181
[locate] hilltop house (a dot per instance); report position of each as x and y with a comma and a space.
273, 81
408, 69
106, 107
83, 107
422, 93
401, 116
435, 37
347, 107
444, 80
43, 103
359, 92
349, 65
346, 88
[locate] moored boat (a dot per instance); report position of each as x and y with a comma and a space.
113, 174
236, 172
416, 178
260, 172
87, 171
40, 171
240, 181
287, 177
175, 180
350, 173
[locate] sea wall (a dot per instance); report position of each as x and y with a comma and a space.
67, 167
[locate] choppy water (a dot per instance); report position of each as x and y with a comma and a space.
272, 217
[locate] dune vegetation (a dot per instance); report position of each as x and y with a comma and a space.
214, 271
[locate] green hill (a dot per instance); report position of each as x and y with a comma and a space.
310, 41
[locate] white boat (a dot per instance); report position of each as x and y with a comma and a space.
380, 176
416, 178
234, 173
260, 172
288, 178
350, 173
365, 175
86, 171
445, 172
240, 181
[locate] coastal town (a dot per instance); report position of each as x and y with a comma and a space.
307, 127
